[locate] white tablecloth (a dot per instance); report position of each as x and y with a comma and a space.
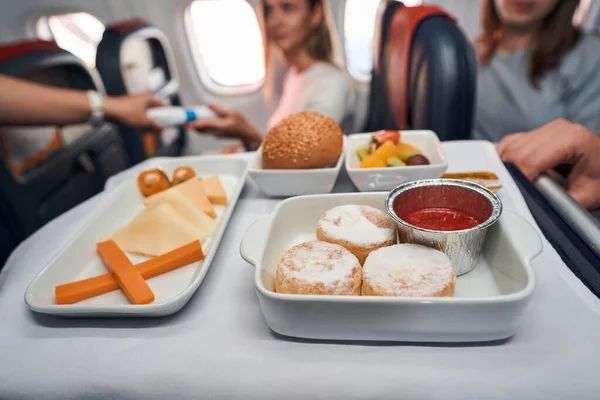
219, 345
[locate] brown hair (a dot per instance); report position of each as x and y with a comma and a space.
319, 44
322, 44
556, 37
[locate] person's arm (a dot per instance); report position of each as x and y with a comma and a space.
228, 123
27, 103
557, 143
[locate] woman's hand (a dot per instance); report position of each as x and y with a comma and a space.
131, 110
228, 123
559, 142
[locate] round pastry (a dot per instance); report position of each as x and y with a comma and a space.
182, 174
301, 141
152, 181
408, 270
318, 268
360, 229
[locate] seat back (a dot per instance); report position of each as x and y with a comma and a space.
443, 76
424, 73
133, 57
8, 239
45, 171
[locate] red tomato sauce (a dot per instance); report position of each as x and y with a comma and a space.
440, 219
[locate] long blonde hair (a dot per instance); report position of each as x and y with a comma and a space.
322, 45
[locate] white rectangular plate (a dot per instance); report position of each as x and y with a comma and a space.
78, 258
487, 305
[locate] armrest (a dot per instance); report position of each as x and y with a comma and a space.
561, 221
584, 223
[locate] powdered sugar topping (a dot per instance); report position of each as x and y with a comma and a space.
408, 270
319, 262
360, 225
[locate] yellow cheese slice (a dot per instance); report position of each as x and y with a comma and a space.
214, 190
193, 190
184, 207
155, 231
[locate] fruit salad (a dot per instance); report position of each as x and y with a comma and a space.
387, 150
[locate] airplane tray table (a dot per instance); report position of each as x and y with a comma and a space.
219, 345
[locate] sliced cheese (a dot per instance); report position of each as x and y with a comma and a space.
184, 207
214, 190
193, 193
193, 190
155, 231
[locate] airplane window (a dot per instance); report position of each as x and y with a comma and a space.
226, 39
359, 26
78, 33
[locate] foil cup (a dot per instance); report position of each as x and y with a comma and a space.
463, 247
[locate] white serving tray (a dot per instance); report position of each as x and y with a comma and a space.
78, 258
487, 305
381, 179
157, 162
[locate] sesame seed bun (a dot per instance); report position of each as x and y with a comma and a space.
301, 141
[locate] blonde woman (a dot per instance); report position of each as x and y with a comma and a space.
301, 34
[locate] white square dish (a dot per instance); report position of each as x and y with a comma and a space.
376, 179
294, 182
487, 305
78, 258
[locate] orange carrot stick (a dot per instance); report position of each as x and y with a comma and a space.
129, 278
74, 292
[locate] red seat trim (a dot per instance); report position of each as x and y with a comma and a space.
124, 27
403, 26
18, 49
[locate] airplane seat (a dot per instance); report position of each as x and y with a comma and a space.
426, 73
47, 170
133, 57
8, 239
443, 77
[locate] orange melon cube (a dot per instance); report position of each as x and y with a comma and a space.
404, 151
385, 151
372, 161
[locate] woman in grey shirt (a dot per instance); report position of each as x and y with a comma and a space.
535, 67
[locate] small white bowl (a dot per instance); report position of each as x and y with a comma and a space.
376, 179
294, 182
